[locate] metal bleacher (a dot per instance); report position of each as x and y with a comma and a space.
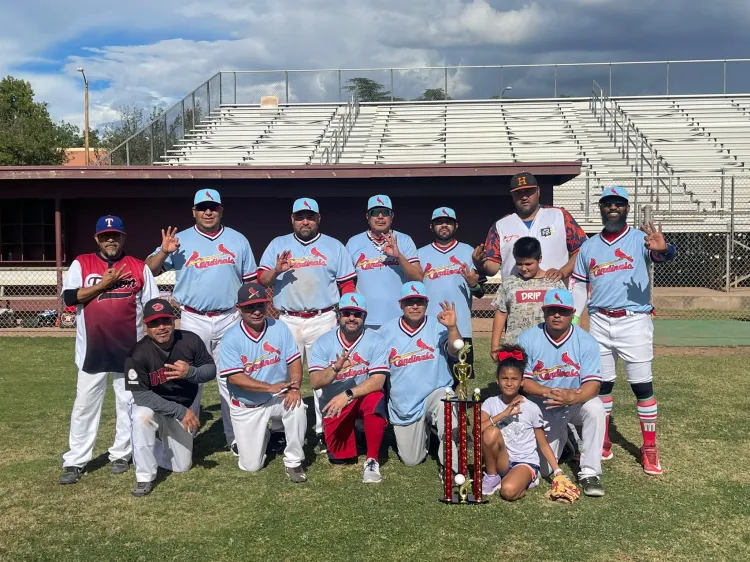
657, 143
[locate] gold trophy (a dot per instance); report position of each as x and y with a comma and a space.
462, 371
468, 490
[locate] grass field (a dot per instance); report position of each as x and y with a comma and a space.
699, 510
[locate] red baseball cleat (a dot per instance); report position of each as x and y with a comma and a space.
607, 453
650, 461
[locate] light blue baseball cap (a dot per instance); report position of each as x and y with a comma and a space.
413, 289
353, 301
614, 191
305, 204
207, 196
560, 298
379, 201
444, 212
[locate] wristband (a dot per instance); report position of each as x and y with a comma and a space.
558, 471
576, 319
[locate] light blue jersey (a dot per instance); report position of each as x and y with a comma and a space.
419, 365
367, 354
316, 267
209, 268
617, 272
264, 357
567, 363
379, 277
444, 282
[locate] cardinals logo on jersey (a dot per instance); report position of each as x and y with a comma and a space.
359, 366
224, 257
374, 263
624, 262
569, 368
272, 356
317, 259
454, 268
424, 352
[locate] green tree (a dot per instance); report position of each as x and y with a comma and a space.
433, 94
146, 130
73, 137
28, 137
366, 89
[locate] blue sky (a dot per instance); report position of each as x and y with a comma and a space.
145, 52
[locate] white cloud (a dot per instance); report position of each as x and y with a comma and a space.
174, 45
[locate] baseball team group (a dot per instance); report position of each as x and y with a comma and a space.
380, 324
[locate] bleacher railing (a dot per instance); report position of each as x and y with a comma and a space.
331, 153
553, 80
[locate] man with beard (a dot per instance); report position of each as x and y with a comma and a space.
262, 365
350, 366
448, 276
615, 264
109, 290
556, 230
420, 346
384, 260
164, 370
562, 376
308, 271
210, 262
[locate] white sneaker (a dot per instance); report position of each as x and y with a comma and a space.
372, 472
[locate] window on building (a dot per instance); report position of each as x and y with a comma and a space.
27, 230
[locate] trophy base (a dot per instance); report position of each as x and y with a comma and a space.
456, 500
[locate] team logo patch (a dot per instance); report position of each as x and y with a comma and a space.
354, 301
306, 204
157, 307
379, 200
568, 369
208, 194
359, 367
444, 212
270, 357
132, 375
510, 237
547, 231
437, 272
374, 263
318, 259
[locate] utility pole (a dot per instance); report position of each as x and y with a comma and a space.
85, 115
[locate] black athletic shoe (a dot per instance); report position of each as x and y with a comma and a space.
277, 442
71, 475
592, 486
120, 466
321, 447
234, 449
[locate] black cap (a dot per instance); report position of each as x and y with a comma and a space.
522, 180
250, 293
158, 308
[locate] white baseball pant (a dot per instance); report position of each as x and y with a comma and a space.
413, 440
630, 337
305, 332
172, 450
592, 417
87, 410
251, 432
210, 330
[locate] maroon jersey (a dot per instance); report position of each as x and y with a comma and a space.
109, 325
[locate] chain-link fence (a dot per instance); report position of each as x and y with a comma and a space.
707, 217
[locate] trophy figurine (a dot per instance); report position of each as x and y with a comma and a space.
462, 488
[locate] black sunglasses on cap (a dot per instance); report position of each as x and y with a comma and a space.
379, 211
350, 312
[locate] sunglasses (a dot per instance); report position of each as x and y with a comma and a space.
415, 301
347, 313
620, 203
203, 207
250, 308
379, 211
304, 215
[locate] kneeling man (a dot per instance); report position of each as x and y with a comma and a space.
419, 349
163, 372
563, 374
350, 366
262, 364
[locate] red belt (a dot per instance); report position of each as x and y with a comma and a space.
210, 313
308, 313
239, 404
613, 313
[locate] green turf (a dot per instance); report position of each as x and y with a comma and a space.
701, 333
699, 510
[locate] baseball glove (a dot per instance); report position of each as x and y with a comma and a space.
563, 490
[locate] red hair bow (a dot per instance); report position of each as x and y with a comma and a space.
503, 355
